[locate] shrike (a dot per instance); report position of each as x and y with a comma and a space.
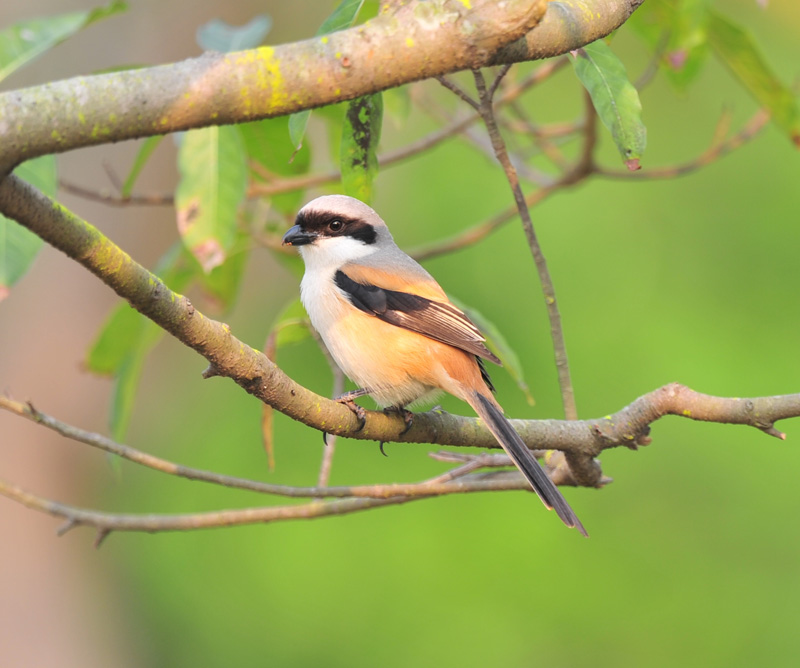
392, 329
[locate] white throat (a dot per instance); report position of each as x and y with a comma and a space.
328, 255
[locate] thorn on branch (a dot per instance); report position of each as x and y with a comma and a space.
102, 534
67, 526
35, 414
770, 429
211, 371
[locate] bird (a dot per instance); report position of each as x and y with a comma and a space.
393, 331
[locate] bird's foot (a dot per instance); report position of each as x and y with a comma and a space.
358, 411
408, 417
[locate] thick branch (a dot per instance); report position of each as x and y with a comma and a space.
407, 42
566, 24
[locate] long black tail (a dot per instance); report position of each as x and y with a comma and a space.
525, 461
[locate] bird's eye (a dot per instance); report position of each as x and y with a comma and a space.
335, 225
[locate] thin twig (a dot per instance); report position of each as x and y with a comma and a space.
131, 454
479, 232
116, 200
329, 449
458, 91
556, 329
712, 154
108, 522
501, 74
278, 185
651, 69
541, 137
282, 185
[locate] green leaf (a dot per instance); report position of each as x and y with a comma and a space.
123, 343
221, 284
265, 144
342, 18
18, 245
26, 40
499, 345
291, 326
119, 336
687, 46
124, 327
736, 48
212, 186
298, 122
216, 35
614, 97
143, 155
333, 116
678, 29
124, 390
397, 104
361, 134
120, 351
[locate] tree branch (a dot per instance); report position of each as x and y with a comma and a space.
417, 40
486, 111
108, 522
630, 427
321, 490
716, 151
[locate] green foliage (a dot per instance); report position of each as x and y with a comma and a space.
738, 51
361, 135
266, 145
291, 326
26, 40
341, 18
615, 99
681, 32
18, 246
216, 35
212, 186
677, 31
499, 345
19, 44
142, 156
126, 339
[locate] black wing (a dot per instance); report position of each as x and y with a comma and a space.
436, 320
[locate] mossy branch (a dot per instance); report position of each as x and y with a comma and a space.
406, 42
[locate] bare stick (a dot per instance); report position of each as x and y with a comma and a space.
116, 199
458, 91
108, 522
330, 441
716, 151
548, 289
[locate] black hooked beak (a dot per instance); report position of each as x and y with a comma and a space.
296, 236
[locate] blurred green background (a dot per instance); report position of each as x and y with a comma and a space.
694, 555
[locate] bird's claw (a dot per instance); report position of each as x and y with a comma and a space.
358, 411
408, 418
